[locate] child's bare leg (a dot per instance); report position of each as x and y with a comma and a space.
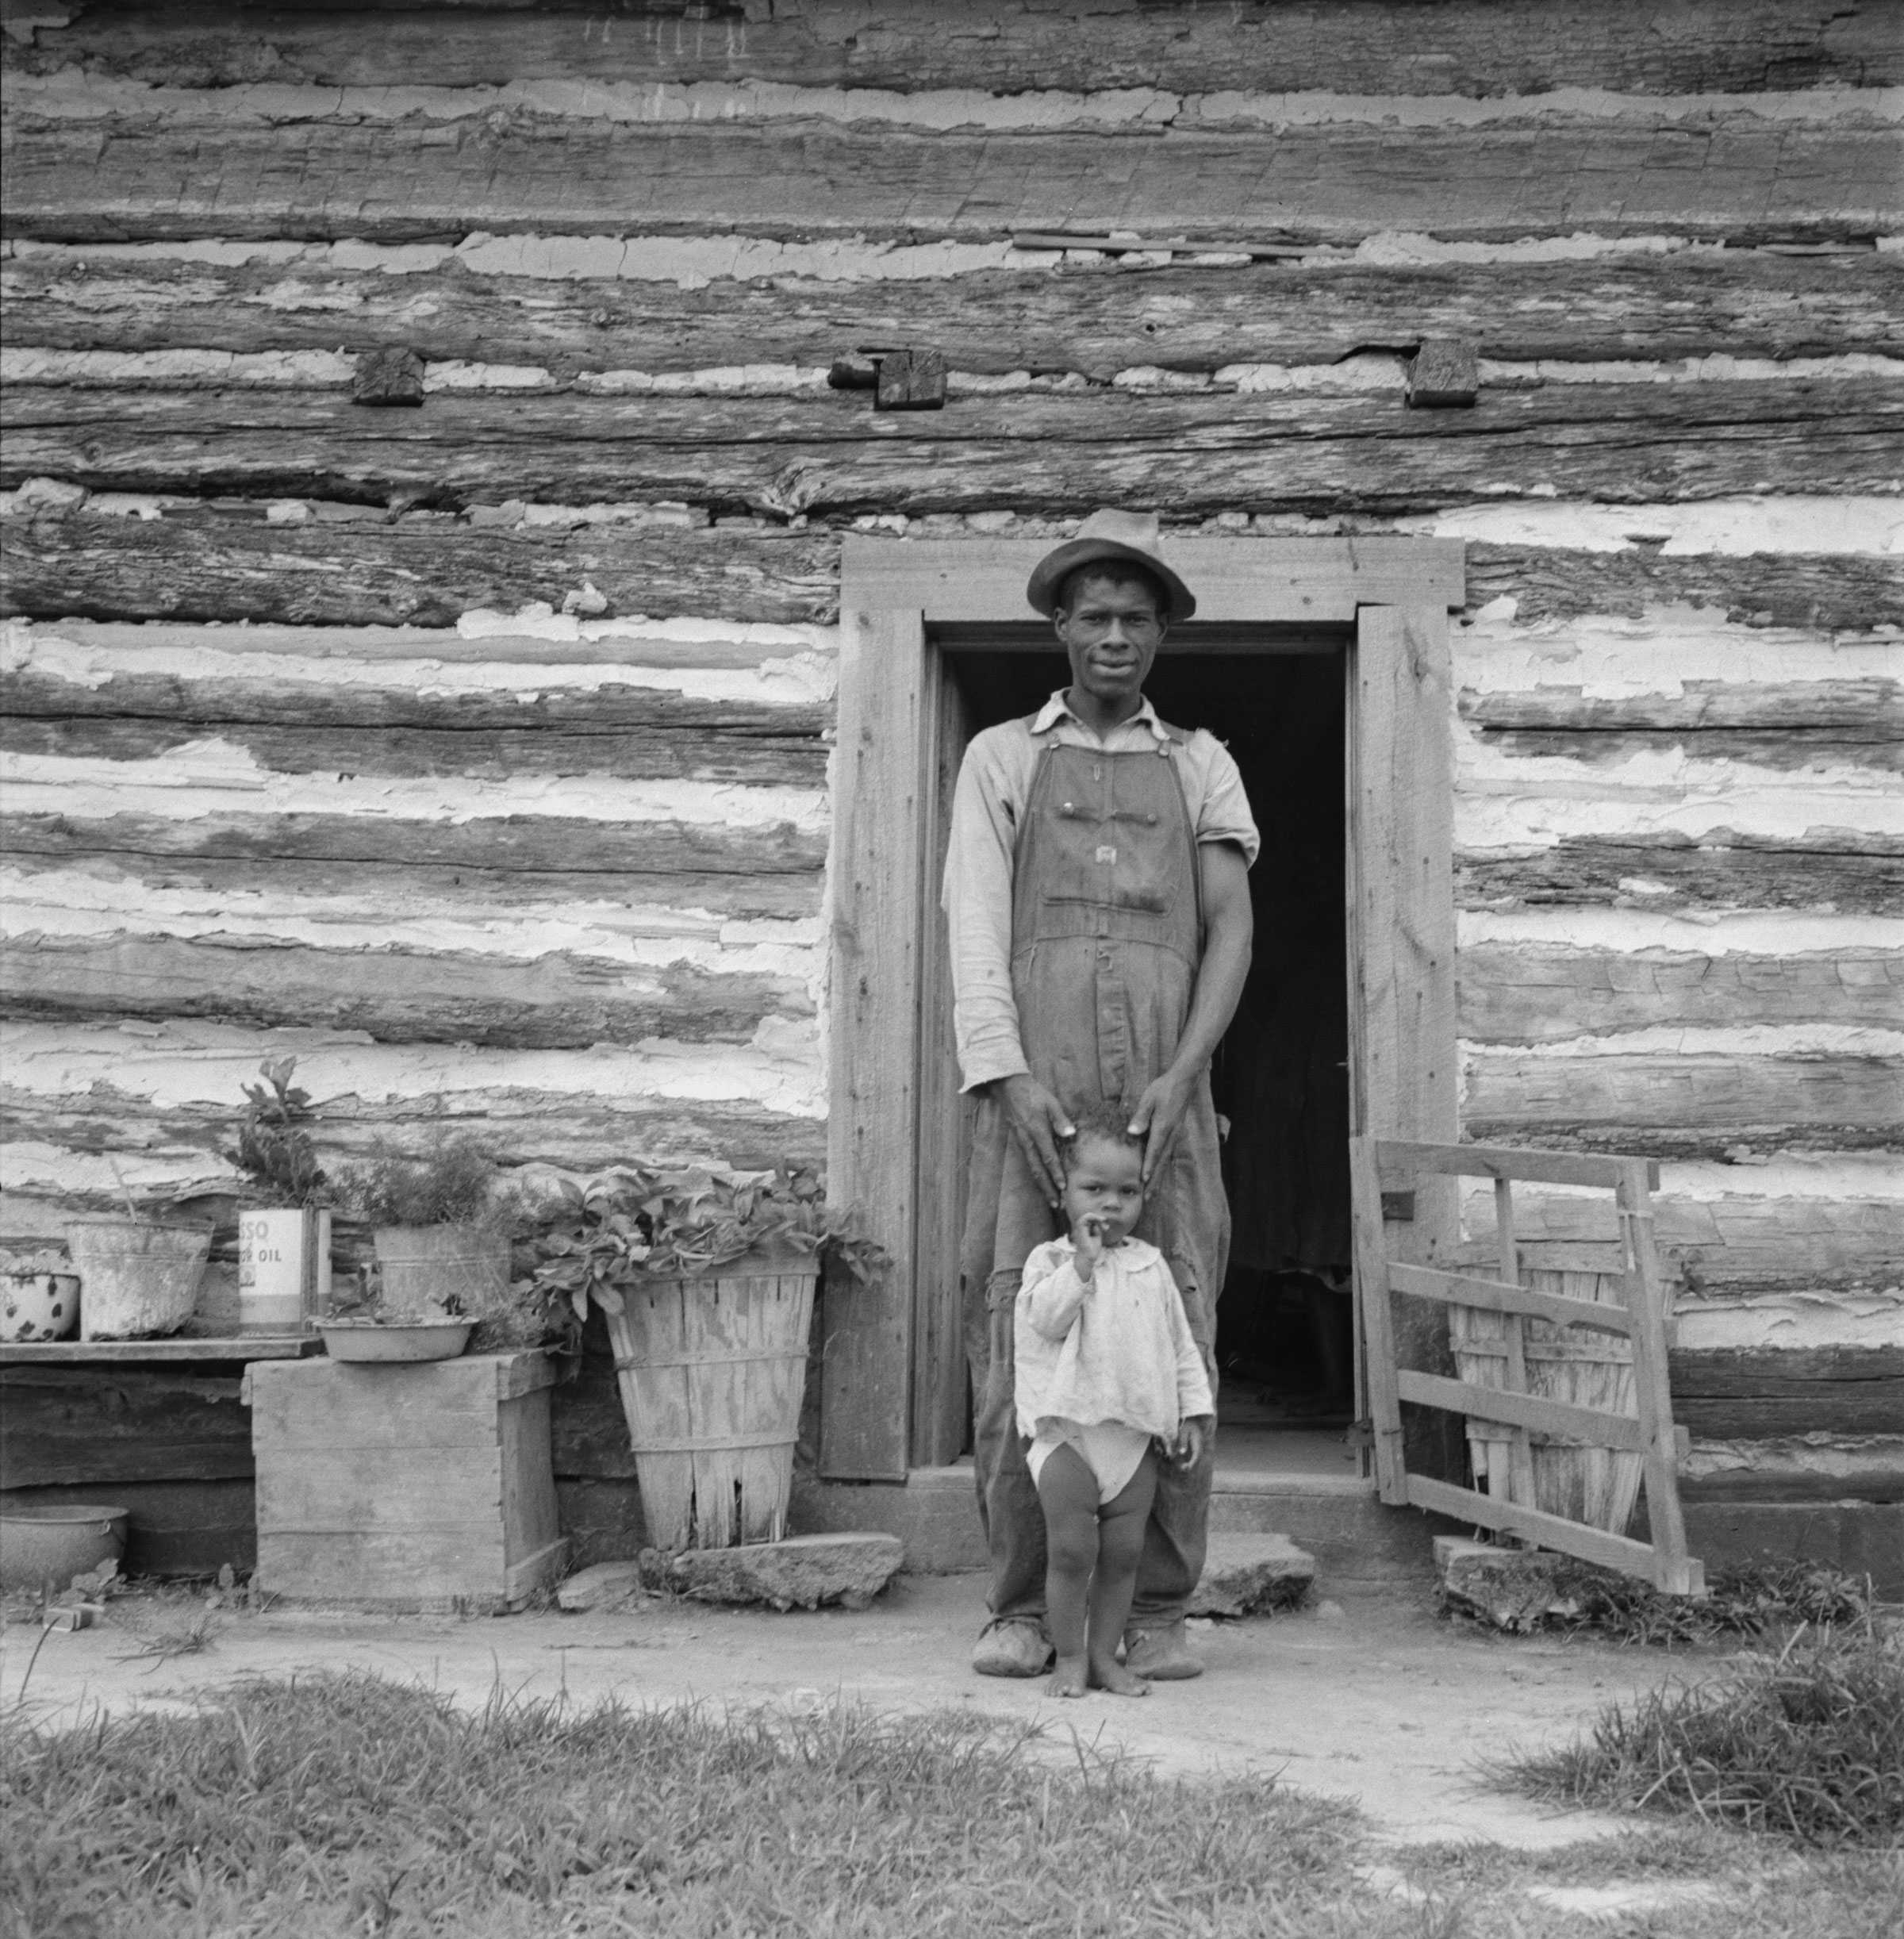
1068, 1490
1120, 1546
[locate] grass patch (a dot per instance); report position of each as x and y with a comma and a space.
341, 1804
1807, 1743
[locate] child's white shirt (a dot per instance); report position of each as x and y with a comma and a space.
1121, 1352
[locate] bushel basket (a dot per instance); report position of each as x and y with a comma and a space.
712, 1370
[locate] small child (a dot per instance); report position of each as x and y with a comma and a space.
1105, 1363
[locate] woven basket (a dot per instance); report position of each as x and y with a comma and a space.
712, 1370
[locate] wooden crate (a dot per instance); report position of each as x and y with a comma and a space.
422, 1488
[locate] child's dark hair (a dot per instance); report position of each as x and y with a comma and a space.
1110, 1123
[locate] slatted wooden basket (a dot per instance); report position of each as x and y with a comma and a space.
1599, 1486
712, 1370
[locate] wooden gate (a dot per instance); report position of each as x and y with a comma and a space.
1509, 1420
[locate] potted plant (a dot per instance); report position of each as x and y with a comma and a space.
284, 1240
440, 1230
706, 1281
138, 1275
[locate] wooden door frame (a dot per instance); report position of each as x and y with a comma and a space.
899, 600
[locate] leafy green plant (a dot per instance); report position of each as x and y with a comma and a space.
275, 1150
450, 1182
632, 1223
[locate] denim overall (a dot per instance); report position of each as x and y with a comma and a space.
1106, 933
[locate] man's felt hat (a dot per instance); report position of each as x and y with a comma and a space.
1110, 534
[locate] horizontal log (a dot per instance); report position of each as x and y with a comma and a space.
1617, 443
1788, 749
191, 166
1523, 992
455, 892
1470, 48
220, 560
1861, 1407
575, 718
1785, 1373
1840, 1102
223, 562
1741, 1244
545, 844
1867, 709
1092, 321
1795, 1486
1816, 872
109, 1424
562, 1000
1834, 593
477, 755
577, 1134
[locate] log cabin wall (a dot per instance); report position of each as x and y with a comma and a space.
476, 749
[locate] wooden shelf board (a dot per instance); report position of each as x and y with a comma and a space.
118, 1352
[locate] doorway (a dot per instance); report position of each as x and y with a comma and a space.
1285, 1343
893, 1373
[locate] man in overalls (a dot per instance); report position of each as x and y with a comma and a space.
1097, 893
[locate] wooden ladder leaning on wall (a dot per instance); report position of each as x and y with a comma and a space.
1639, 1316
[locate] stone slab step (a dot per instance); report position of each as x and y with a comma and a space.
1357, 1543
849, 1566
1252, 1575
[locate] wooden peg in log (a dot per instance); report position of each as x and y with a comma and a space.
859, 373
912, 380
1444, 371
393, 376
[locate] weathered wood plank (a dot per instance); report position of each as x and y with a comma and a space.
1786, 749
1746, 1244
1855, 710
1780, 1373
1095, 321
203, 711
201, 169
559, 1128
216, 561
874, 1042
1661, 1100
1468, 47
65, 1425
584, 720
220, 560
1528, 992
1818, 1491
1058, 451
545, 844
562, 1001
455, 892
1762, 588
1847, 874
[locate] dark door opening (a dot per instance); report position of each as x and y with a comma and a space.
1285, 1331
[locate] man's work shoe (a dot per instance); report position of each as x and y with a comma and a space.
1161, 1654
1015, 1647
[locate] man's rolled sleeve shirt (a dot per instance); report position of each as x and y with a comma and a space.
994, 783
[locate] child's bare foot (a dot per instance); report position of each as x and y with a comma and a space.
1111, 1675
1070, 1677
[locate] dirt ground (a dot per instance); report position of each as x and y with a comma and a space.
1374, 1698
